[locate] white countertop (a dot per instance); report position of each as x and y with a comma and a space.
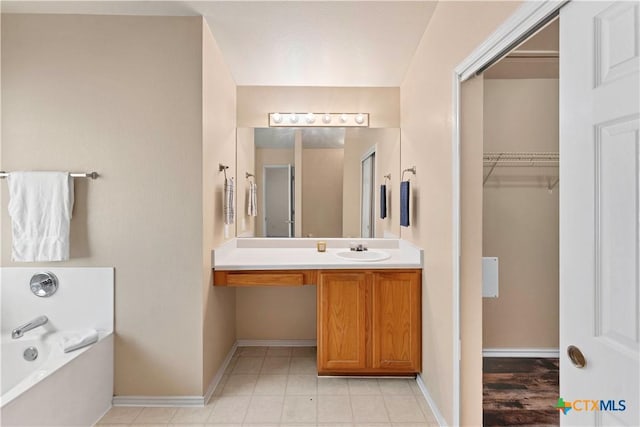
301, 254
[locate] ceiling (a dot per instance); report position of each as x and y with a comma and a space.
290, 43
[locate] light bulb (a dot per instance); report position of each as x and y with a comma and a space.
344, 118
326, 119
293, 118
277, 117
359, 119
311, 118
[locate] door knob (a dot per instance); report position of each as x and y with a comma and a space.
576, 356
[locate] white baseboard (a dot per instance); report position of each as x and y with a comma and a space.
432, 404
521, 352
277, 343
215, 381
159, 401
178, 401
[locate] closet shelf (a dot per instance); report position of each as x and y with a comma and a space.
520, 159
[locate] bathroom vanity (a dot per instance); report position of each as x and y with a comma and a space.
368, 305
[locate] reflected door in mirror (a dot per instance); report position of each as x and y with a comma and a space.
278, 201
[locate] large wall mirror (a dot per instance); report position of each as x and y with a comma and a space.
317, 182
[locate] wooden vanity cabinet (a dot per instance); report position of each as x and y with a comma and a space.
369, 322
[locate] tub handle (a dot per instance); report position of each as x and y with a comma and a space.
44, 284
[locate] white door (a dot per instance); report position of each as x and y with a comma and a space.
367, 197
278, 218
599, 217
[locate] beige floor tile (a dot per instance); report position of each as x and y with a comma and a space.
303, 351
186, 425
299, 409
302, 385
390, 386
424, 424
416, 390
191, 415
148, 425
333, 386
229, 409
279, 352
223, 425
334, 409
248, 365
252, 351
240, 385
364, 387
303, 365
120, 415
369, 409
403, 409
155, 416
275, 365
264, 409
271, 385
112, 425
334, 425
426, 410
372, 425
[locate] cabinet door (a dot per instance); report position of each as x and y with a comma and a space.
342, 322
396, 319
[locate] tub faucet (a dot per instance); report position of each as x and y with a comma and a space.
20, 330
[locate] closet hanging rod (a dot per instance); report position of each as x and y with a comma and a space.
92, 175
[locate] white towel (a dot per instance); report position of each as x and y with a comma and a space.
252, 205
77, 340
227, 202
40, 206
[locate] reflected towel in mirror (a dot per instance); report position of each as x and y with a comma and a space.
252, 203
227, 203
383, 201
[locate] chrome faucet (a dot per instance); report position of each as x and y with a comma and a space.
20, 330
359, 248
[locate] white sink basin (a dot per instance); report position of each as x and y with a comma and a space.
366, 256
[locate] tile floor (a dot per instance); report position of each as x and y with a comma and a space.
278, 386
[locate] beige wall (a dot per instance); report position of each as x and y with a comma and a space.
426, 104
218, 146
520, 216
276, 313
123, 96
245, 161
322, 192
256, 102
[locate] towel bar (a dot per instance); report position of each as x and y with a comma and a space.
92, 175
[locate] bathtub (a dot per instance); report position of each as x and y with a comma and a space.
57, 388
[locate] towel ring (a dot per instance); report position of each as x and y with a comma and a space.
412, 169
249, 175
223, 168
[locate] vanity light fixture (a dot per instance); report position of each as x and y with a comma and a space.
311, 120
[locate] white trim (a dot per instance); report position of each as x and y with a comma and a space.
215, 381
530, 14
277, 343
159, 401
178, 401
432, 404
521, 352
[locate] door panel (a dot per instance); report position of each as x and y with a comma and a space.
396, 321
277, 193
342, 301
599, 209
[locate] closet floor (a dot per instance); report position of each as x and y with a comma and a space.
520, 391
